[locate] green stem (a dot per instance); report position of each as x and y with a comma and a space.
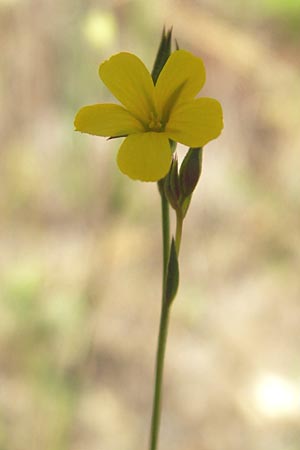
178, 234
165, 216
164, 318
163, 330
160, 357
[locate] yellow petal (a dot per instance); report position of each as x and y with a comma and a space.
128, 79
145, 156
180, 80
106, 120
196, 123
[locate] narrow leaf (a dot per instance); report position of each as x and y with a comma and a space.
172, 281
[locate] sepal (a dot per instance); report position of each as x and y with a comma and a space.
163, 54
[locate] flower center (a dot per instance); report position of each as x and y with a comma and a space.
154, 123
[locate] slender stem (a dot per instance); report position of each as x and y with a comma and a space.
165, 216
178, 234
163, 329
164, 319
160, 356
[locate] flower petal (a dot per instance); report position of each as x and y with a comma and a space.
196, 123
181, 78
145, 156
128, 79
106, 120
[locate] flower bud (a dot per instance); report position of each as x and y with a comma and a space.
171, 185
190, 171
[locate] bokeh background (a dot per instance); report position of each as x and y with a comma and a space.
80, 260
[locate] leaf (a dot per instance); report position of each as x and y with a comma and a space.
172, 281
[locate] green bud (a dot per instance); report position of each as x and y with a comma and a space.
190, 171
171, 184
163, 54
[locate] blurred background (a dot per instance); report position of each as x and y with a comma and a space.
80, 260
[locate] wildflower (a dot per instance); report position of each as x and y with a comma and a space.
152, 114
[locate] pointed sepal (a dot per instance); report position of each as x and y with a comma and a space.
163, 54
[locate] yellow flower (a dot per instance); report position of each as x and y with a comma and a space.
151, 115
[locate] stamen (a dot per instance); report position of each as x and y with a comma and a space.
154, 124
